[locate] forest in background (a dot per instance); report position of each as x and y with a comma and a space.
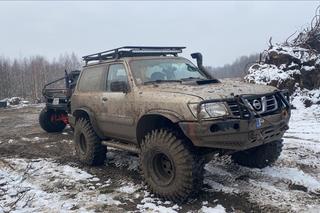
239, 68
25, 77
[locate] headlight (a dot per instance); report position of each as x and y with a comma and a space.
212, 110
208, 110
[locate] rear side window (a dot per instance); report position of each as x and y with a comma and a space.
91, 79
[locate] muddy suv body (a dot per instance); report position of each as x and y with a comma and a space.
172, 113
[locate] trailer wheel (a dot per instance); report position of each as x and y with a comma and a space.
47, 122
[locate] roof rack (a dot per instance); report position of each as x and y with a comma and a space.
132, 51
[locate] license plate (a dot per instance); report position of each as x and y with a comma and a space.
55, 101
259, 122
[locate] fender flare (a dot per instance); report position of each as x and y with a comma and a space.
91, 118
171, 115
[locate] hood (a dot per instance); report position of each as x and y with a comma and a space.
212, 91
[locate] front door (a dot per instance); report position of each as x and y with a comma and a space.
117, 118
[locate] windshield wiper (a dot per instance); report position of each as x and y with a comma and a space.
193, 78
161, 81
201, 81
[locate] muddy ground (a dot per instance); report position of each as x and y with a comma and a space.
292, 185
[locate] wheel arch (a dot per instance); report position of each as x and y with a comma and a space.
154, 120
88, 114
82, 113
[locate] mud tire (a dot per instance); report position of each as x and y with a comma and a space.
259, 157
188, 168
47, 125
88, 145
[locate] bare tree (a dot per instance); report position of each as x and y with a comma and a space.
238, 68
25, 77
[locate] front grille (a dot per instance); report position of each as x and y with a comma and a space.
271, 103
263, 105
234, 107
238, 110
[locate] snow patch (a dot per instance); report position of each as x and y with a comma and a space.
295, 176
128, 188
35, 139
267, 73
216, 209
150, 204
44, 186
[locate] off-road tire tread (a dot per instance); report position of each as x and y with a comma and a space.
259, 157
96, 152
191, 166
47, 125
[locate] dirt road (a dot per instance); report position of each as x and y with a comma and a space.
45, 166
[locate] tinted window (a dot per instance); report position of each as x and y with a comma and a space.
91, 79
117, 72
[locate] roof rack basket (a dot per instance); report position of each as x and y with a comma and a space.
132, 51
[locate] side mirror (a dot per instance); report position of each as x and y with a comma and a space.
119, 86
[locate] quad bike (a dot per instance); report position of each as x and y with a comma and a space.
54, 117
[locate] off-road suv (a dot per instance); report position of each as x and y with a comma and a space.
150, 101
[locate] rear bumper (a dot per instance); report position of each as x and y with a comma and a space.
62, 106
236, 134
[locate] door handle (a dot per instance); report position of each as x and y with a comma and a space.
104, 99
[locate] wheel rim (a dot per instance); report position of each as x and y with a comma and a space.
83, 143
163, 169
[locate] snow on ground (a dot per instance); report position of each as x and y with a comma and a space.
217, 209
35, 139
305, 122
23, 105
292, 184
19, 103
151, 204
41, 185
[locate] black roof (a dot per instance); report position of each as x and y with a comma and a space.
133, 51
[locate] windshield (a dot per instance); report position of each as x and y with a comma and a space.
164, 70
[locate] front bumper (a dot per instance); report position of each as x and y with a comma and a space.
236, 134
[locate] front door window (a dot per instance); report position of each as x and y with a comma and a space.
117, 73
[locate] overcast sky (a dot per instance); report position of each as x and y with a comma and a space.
222, 31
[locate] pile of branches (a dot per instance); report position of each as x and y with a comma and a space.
292, 64
310, 37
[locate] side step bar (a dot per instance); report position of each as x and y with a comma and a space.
123, 146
